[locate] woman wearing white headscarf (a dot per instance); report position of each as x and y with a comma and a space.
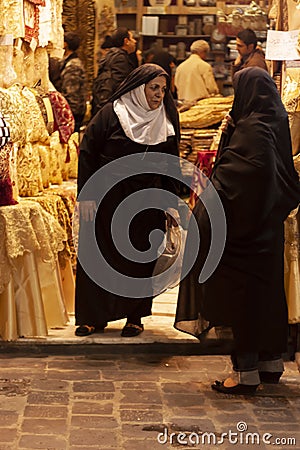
140, 119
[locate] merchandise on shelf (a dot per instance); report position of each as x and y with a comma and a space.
206, 112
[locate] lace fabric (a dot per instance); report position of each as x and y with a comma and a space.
60, 209
13, 24
12, 109
35, 126
30, 180
26, 227
292, 259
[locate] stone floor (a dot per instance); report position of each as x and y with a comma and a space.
129, 402
153, 392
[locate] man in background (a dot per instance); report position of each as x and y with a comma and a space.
114, 67
72, 78
194, 77
249, 53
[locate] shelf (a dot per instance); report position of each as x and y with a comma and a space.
172, 36
125, 10
180, 10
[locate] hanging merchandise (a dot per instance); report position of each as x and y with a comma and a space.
4, 131
7, 74
6, 194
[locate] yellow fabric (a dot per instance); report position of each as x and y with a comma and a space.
36, 130
29, 173
43, 151
73, 144
31, 289
33, 301
12, 11
55, 159
50, 116
68, 285
8, 314
13, 170
52, 294
27, 228
12, 109
55, 206
292, 260
31, 320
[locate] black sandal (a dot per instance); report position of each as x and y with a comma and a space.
84, 330
131, 330
87, 330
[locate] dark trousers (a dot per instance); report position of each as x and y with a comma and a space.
247, 365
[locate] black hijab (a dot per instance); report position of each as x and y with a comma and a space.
255, 171
142, 75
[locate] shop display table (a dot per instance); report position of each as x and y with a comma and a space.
59, 201
31, 292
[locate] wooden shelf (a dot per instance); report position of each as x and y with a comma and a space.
180, 10
176, 36
125, 10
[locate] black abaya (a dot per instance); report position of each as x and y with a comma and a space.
258, 186
104, 142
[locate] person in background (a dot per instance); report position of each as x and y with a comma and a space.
250, 54
72, 83
140, 118
54, 72
114, 67
163, 59
194, 77
258, 186
107, 44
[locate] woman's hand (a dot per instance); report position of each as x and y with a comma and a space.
228, 120
87, 209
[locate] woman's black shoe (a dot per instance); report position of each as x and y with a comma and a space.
270, 377
239, 389
86, 330
131, 330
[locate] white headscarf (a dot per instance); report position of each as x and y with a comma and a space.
140, 123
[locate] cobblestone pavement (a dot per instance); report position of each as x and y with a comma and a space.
140, 401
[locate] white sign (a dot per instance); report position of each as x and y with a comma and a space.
282, 45
150, 25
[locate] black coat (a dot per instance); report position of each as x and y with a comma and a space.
104, 142
258, 186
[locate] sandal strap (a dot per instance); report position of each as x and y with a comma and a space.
89, 328
133, 325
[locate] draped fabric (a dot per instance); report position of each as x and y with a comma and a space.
258, 186
63, 117
292, 259
27, 228
6, 190
12, 11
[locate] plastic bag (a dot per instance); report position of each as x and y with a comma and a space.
167, 270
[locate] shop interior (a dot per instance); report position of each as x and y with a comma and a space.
38, 215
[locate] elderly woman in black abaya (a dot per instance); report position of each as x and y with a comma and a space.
258, 186
140, 121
